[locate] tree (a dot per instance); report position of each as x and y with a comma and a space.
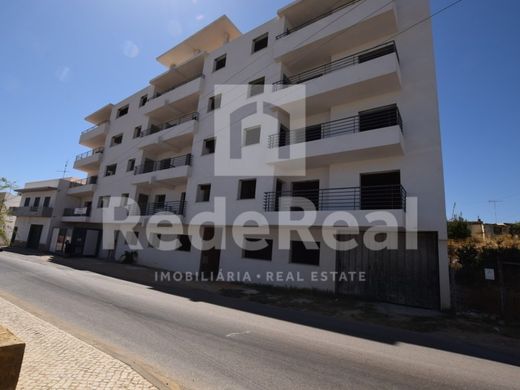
458, 228
514, 229
4, 185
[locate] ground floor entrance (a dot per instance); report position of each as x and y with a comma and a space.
402, 276
210, 258
33, 239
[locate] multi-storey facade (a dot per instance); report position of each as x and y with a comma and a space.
369, 136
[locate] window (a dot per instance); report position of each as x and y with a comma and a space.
256, 87
301, 255
214, 102
247, 189
103, 201
137, 131
46, 201
252, 136
142, 100
260, 42
110, 170
36, 201
124, 199
185, 243
203, 192
116, 140
130, 165
257, 254
122, 111
208, 146
27, 202
219, 63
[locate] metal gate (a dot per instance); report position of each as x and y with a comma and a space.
407, 277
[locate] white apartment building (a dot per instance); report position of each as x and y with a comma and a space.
368, 139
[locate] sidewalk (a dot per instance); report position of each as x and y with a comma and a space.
56, 360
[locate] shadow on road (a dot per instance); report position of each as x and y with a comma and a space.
383, 334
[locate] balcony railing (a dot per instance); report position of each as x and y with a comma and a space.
156, 128
92, 128
315, 19
77, 212
84, 182
157, 94
351, 60
31, 211
151, 166
90, 153
174, 207
369, 120
381, 197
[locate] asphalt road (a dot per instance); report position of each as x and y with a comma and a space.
204, 343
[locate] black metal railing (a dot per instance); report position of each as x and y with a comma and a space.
157, 94
364, 121
92, 128
315, 19
163, 126
90, 153
174, 207
381, 197
77, 212
31, 211
83, 182
354, 59
151, 166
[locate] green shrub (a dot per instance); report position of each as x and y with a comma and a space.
458, 229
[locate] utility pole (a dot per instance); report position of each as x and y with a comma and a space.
494, 202
65, 171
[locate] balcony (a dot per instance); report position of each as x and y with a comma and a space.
181, 98
34, 211
326, 28
176, 207
361, 75
78, 214
172, 135
89, 161
94, 136
358, 201
375, 133
170, 171
382, 197
83, 187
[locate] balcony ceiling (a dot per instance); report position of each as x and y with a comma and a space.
180, 74
210, 38
301, 11
174, 110
101, 115
35, 189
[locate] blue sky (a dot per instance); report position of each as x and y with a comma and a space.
62, 60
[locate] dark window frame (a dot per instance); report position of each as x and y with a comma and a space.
242, 191
143, 100
122, 111
258, 43
214, 102
209, 150
256, 87
201, 195
185, 241
217, 62
138, 130
265, 254
248, 131
130, 165
300, 251
116, 137
107, 169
